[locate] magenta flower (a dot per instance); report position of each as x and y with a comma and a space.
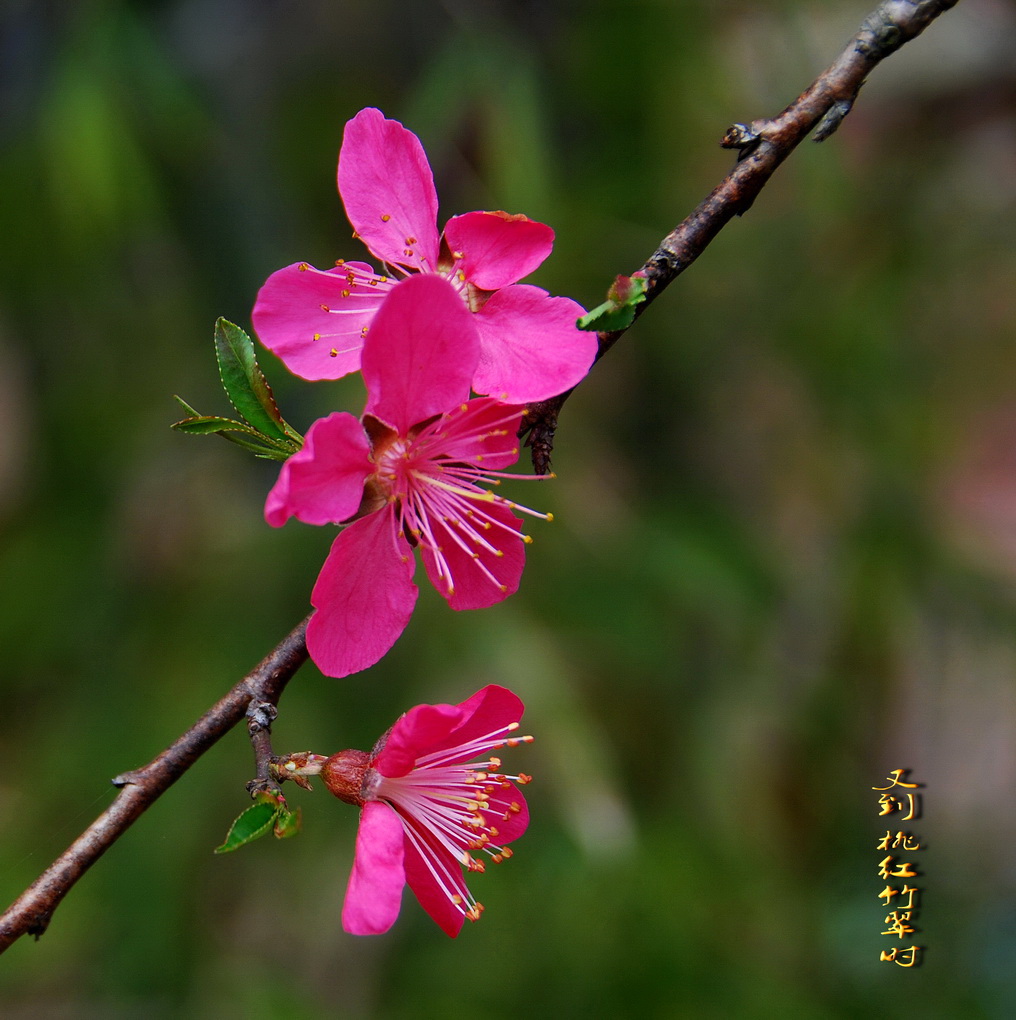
406, 475
315, 320
427, 809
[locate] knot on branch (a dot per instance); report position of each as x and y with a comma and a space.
260, 716
743, 137
539, 424
880, 35
832, 118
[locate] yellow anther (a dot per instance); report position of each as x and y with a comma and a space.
317, 336
528, 539
385, 217
345, 293
550, 518
325, 308
340, 262
333, 353
303, 267
507, 851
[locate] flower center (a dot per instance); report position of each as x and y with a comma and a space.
436, 476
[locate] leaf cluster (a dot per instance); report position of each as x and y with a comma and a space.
262, 429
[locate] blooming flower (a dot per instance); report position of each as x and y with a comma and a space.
428, 810
406, 475
315, 320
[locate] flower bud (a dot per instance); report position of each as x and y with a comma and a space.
344, 773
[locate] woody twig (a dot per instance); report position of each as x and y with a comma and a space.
762, 146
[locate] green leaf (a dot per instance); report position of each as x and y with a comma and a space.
258, 443
250, 825
287, 823
618, 311
190, 410
244, 382
264, 452
205, 424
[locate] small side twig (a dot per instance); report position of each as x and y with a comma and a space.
762, 146
31, 913
260, 716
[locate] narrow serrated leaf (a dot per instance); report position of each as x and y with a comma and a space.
249, 825
243, 380
209, 424
264, 452
190, 410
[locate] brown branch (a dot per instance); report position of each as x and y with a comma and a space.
30, 914
762, 146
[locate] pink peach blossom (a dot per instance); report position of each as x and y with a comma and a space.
408, 474
429, 810
315, 320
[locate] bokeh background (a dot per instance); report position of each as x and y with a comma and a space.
784, 554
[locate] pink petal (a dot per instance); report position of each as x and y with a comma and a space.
497, 249
487, 711
364, 596
420, 353
303, 314
421, 730
374, 892
508, 812
323, 482
463, 553
483, 433
388, 190
432, 892
530, 347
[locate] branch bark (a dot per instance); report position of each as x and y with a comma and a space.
30, 914
762, 146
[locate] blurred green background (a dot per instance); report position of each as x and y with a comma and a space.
784, 554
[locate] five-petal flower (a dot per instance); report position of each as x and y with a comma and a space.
429, 809
406, 475
315, 320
